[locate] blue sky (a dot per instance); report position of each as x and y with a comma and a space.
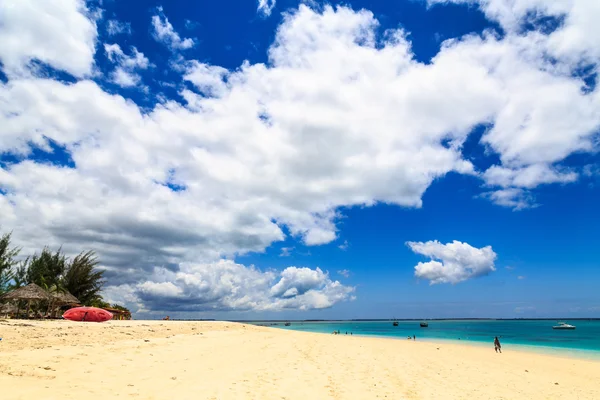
286, 159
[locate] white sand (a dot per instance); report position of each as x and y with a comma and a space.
222, 360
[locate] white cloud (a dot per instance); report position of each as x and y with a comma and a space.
452, 262
56, 32
515, 198
115, 27
344, 272
521, 277
528, 177
225, 285
208, 79
548, 113
286, 251
344, 246
124, 74
248, 156
125, 78
165, 33
116, 55
574, 41
265, 7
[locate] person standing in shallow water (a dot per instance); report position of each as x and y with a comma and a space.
497, 345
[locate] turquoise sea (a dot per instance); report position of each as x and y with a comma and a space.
534, 334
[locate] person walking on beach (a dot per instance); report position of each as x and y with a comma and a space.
497, 345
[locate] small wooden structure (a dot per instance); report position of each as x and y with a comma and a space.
29, 293
118, 314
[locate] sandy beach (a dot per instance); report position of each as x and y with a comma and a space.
224, 360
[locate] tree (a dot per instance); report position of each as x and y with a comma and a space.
47, 269
7, 262
83, 280
100, 303
19, 276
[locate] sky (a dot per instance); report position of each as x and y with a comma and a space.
280, 159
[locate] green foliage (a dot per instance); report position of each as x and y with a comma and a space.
7, 262
54, 272
82, 279
100, 303
19, 275
47, 269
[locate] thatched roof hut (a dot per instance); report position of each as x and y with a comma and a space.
29, 292
61, 298
7, 309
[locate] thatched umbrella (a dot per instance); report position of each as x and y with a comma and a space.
7, 308
31, 292
61, 299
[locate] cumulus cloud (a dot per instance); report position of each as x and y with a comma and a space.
60, 33
265, 7
550, 111
247, 155
115, 27
165, 33
452, 262
226, 286
125, 74
344, 246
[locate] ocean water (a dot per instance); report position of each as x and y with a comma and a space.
533, 334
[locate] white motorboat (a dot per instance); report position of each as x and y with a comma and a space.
563, 325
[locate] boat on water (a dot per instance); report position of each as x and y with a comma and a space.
424, 324
395, 323
287, 323
564, 326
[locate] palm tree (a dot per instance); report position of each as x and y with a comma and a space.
82, 279
47, 270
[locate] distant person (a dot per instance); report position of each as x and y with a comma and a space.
414, 337
497, 345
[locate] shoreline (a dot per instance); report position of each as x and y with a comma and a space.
563, 352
